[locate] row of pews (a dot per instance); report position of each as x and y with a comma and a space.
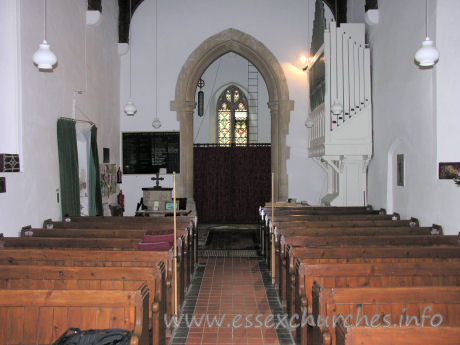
94, 273
356, 262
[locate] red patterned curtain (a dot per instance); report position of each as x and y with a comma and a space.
230, 183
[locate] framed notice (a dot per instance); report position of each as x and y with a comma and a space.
148, 152
169, 205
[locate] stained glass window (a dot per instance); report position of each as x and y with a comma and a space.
232, 124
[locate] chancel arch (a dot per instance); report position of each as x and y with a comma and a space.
233, 40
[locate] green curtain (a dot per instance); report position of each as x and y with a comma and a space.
68, 167
94, 178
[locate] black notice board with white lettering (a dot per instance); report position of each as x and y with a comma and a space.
148, 152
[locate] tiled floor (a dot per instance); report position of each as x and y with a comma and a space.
233, 293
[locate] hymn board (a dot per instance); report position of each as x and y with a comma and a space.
148, 152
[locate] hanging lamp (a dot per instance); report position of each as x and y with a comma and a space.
130, 108
427, 55
156, 121
44, 58
201, 84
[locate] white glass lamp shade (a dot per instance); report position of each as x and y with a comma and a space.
44, 57
130, 108
427, 55
156, 123
336, 108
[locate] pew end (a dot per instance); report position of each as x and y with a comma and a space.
436, 230
414, 222
26, 231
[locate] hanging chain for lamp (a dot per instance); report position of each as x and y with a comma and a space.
129, 41
156, 121
130, 108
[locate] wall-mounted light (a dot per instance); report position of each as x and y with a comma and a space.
427, 55
304, 62
44, 58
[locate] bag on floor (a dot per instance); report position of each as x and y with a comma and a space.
75, 336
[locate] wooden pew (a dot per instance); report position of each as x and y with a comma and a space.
338, 231
265, 213
337, 275
69, 243
98, 258
128, 219
326, 209
90, 232
94, 238
164, 225
347, 255
154, 224
41, 316
388, 302
26, 244
327, 221
95, 278
347, 241
444, 335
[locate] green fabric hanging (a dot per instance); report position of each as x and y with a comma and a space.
94, 178
68, 167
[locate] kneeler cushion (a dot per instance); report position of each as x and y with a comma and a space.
154, 246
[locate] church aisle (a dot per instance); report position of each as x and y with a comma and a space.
232, 294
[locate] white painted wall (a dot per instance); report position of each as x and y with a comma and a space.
448, 81
229, 69
9, 88
182, 27
31, 194
414, 112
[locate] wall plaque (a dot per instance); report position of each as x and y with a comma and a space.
448, 171
148, 152
9, 162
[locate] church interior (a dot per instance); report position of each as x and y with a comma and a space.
255, 161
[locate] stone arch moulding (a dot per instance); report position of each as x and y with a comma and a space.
232, 40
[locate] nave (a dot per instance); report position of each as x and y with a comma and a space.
322, 262
232, 292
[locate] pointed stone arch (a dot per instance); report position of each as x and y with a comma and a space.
233, 40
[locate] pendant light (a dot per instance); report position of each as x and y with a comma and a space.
156, 121
427, 55
44, 58
130, 108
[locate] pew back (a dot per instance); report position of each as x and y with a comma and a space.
41, 316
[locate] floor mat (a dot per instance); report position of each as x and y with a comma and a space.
218, 253
227, 238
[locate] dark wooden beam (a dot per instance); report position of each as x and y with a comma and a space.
371, 5
339, 13
124, 19
94, 5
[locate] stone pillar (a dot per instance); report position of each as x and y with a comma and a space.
184, 180
280, 117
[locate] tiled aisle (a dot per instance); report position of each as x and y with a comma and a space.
231, 287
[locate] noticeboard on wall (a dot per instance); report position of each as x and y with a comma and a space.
148, 152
